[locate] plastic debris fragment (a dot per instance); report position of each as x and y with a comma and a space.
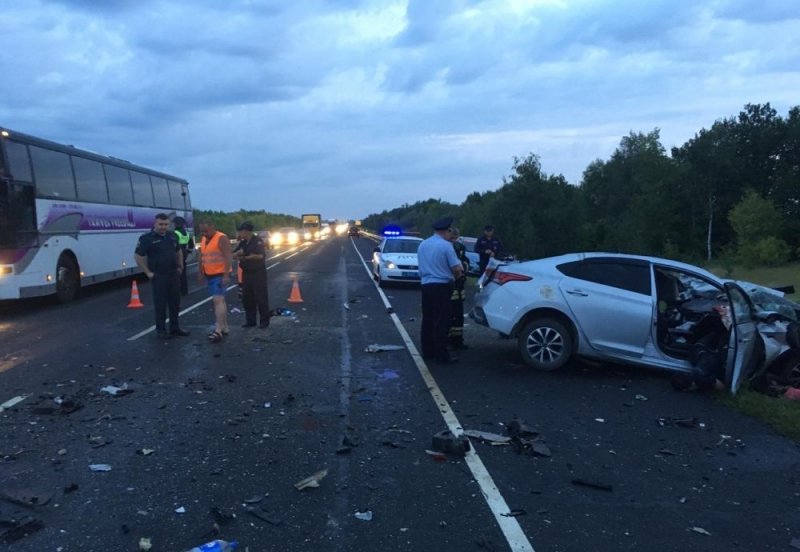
701, 531
145, 544
312, 480
100, 467
363, 515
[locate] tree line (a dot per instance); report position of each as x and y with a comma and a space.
731, 193
229, 222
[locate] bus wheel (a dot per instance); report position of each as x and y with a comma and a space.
68, 279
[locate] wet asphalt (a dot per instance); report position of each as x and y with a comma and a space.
209, 440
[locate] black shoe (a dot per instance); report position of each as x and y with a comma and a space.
249, 325
163, 335
264, 325
179, 333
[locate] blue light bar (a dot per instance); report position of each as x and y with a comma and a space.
392, 231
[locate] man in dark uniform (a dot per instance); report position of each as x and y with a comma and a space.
186, 243
159, 255
487, 246
455, 337
255, 296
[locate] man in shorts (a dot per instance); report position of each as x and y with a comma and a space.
215, 269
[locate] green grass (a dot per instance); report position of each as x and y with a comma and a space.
765, 276
782, 415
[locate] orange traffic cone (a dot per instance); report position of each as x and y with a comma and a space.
135, 302
294, 297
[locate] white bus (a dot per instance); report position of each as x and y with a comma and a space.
69, 217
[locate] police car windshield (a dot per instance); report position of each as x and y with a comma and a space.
401, 246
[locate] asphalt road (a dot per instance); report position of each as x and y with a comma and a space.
234, 426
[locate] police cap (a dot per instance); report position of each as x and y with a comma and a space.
443, 223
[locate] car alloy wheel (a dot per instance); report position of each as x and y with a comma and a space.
545, 344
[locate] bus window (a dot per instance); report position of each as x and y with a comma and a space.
160, 192
90, 180
142, 191
19, 163
119, 185
17, 214
53, 173
178, 195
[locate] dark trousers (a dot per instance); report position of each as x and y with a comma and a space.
184, 278
455, 336
435, 320
166, 296
255, 296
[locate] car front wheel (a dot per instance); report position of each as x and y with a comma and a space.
545, 344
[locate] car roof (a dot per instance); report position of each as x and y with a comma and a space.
571, 257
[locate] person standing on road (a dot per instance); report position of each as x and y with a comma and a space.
455, 336
186, 242
438, 268
487, 247
255, 296
159, 256
215, 268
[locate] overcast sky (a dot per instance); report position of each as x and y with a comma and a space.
350, 107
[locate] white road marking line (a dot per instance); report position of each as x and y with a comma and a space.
497, 504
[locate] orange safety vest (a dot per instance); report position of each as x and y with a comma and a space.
211, 257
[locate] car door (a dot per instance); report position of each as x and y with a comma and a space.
741, 344
611, 300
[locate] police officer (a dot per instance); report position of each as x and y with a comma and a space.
487, 246
438, 268
186, 242
159, 255
255, 296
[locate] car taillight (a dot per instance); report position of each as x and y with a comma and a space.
504, 277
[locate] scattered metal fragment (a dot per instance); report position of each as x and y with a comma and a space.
13, 402
27, 497
701, 531
145, 451
115, 391
518, 428
680, 422
515, 513
377, 348
593, 484
445, 441
312, 480
254, 499
145, 544
438, 456
100, 467
363, 515
13, 530
640, 398
264, 516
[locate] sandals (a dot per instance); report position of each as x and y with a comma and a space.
215, 337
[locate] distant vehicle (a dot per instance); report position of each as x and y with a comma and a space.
70, 217
395, 260
285, 236
312, 226
640, 310
266, 237
354, 232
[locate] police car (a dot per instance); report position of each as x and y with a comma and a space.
395, 258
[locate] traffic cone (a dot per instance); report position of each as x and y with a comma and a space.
135, 302
294, 297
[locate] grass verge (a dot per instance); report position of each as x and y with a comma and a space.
781, 414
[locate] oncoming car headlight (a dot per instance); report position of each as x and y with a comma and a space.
390, 265
5, 270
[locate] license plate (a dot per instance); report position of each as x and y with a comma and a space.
407, 274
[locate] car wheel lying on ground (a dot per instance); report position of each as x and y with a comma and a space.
640, 310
